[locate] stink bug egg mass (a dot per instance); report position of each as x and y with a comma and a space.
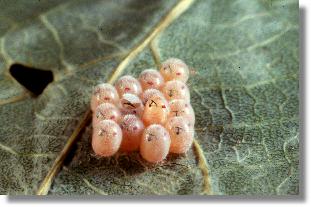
151, 114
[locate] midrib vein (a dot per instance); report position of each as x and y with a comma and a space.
174, 13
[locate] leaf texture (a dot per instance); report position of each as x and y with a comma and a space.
245, 55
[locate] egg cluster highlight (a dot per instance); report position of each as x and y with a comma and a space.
151, 114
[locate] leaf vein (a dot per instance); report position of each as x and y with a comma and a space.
175, 12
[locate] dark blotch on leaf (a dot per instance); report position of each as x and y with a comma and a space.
35, 80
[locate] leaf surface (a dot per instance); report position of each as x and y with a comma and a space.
244, 91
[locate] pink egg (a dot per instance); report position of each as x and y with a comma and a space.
128, 84
104, 93
156, 111
180, 107
181, 134
147, 94
106, 111
106, 138
176, 90
155, 143
132, 129
174, 69
131, 104
150, 78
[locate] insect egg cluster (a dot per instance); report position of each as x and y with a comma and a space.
151, 114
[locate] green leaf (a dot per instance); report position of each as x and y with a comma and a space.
245, 55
